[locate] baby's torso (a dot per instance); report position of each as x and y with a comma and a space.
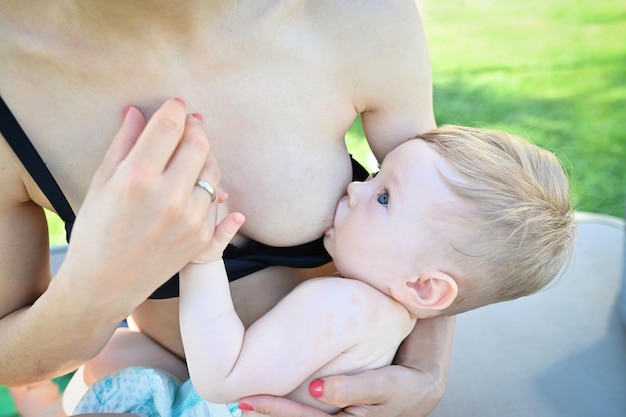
376, 336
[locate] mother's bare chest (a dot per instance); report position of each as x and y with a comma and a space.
275, 123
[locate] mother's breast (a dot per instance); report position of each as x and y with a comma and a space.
287, 194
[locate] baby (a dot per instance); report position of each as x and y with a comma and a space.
455, 219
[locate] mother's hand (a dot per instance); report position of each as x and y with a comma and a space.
392, 391
143, 217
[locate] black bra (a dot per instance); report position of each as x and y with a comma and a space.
30, 158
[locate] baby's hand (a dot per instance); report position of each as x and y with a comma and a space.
225, 230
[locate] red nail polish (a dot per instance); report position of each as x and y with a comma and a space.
180, 100
245, 407
198, 116
316, 388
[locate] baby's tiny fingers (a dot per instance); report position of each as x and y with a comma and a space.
228, 228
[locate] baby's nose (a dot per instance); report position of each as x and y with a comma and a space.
354, 189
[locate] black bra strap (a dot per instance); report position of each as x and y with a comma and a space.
30, 158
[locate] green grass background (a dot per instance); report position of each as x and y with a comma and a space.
552, 71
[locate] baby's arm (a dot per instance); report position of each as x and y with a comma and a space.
312, 325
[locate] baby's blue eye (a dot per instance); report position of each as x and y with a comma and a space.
383, 198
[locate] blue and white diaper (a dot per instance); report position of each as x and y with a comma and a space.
149, 392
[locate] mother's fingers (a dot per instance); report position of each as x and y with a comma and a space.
161, 219
122, 143
390, 391
160, 138
369, 387
280, 407
207, 180
208, 188
192, 160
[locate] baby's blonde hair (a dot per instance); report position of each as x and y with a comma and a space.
519, 201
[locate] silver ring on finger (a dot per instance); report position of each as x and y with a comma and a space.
208, 188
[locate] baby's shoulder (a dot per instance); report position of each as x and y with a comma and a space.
375, 323
354, 300
336, 288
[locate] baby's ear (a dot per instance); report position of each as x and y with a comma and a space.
432, 290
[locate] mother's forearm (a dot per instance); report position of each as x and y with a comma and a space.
52, 337
428, 350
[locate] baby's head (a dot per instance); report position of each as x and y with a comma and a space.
518, 212
456, 219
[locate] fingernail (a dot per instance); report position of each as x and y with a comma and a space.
180, 100
316, 388
198, 116
126, 110
245, 407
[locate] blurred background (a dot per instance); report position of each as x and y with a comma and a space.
551, 71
